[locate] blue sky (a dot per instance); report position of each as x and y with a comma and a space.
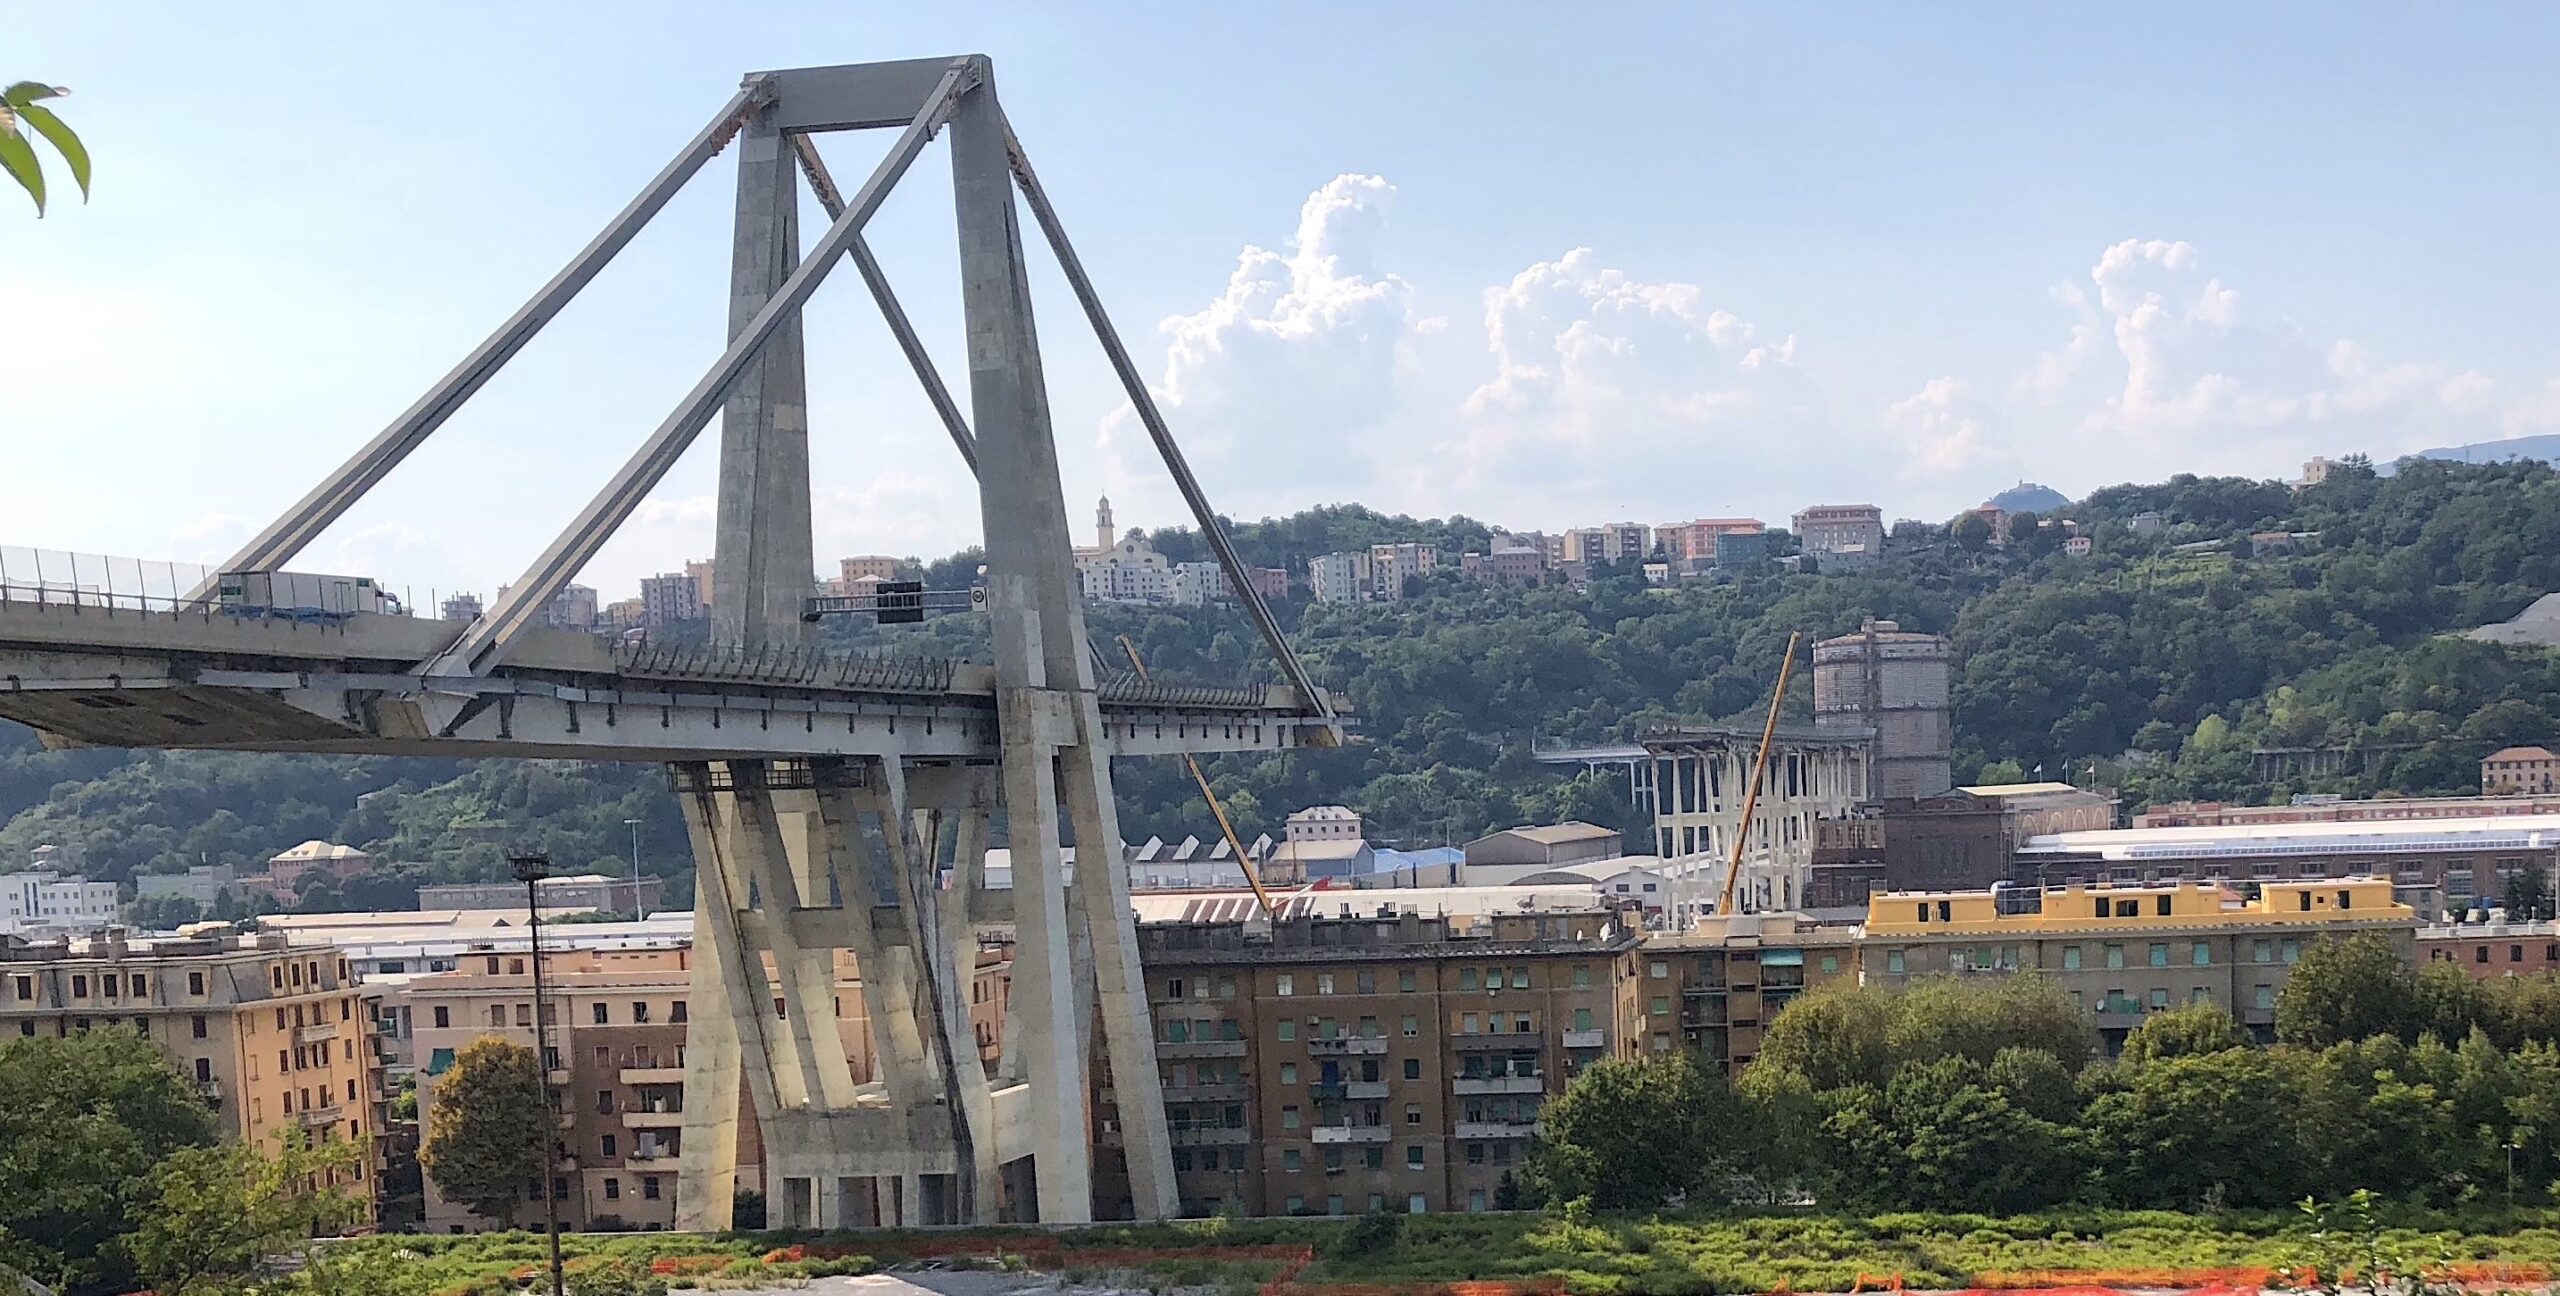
1543, 265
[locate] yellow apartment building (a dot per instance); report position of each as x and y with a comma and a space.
2125, 952
275, 1036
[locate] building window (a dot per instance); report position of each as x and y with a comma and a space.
1416, 1204
1467, 979
610, 1146
1413, 1068
2159, 954
2262, 951
1285, 984
1582, 1019
2115, 956
1661, 1005
2292, 950
198, 1027
612, 1187
444, 1017
1657, 969
601, 1015
1413, 1154
649, 1187
1405, 980
1289, 1117
2263, 996
195, 983
2201, 955
1288, 1028
2480, 954
1324, 983
1293, 1162
2070, 958
1893, 960
1413, 1116
2159, 998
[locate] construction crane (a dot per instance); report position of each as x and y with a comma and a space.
1759, 770
1270, 907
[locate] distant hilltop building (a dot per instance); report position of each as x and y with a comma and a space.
1117, 570
1892, 682
2512, 771
1855, 530
2029, 497
42, 899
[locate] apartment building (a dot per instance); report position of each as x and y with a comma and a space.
1615, 542
1391, 565
618, 1019
1714, 988
2125, 952
873, 566
1338, 1065
1339, 577
276, 1037
1709, 542
670, 597
1840, 528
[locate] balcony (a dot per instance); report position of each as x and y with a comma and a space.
1360, 1089
1498, 1085
661, 1118
1211, 1136
1586, 1039
314, 1117
1704, 991
1202, 1049
648, 1152
210, 1091
1348, 1046
651, 1075
317, 1033
1350, 1133
1496, 1129
1515, 1042
1206, 1093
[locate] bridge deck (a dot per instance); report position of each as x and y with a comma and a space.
206, 679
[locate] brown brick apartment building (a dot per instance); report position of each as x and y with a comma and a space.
1336, 1066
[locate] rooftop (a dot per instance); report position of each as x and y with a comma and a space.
2327, 837
1572, 830
2521, 754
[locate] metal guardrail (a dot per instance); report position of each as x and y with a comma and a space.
773, 664
1127, 687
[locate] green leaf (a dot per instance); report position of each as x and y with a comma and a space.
27, 92
64, 142
18, 158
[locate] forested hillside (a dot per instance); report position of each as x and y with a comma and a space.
2151, 667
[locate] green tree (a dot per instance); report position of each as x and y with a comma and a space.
1635, 1133
489, 1128
2181, 1132
2345, 990
218, 1216
2192, 1031
22, 109
1946, 1133
83, 1118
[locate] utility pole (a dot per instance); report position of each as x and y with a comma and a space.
636, 911
530, 868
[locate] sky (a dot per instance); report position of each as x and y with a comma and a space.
1541, 265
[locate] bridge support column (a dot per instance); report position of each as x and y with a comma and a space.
1051, 730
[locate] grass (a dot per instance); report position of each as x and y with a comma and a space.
1592, 1256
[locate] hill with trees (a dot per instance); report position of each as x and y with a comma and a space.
2258, 619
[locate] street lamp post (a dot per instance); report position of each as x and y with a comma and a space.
634, 826
530, 868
